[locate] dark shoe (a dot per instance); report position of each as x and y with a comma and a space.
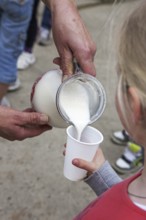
120, 137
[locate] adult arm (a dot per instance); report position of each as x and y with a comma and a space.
71, 37
17, 125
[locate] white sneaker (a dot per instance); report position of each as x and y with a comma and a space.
4, 102
44, 38
120, 137
14, 86
25, 60
131, 160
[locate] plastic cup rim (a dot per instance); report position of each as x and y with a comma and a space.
81, 142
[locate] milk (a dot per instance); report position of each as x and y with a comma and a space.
74, 101
80, 100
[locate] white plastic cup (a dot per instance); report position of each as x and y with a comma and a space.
84, 149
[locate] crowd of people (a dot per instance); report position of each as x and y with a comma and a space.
19, 31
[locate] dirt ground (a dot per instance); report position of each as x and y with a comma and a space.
32, 185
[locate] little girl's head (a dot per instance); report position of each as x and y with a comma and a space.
131, 91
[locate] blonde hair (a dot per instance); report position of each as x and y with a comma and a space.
132, 53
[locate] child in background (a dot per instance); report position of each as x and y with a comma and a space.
127, 199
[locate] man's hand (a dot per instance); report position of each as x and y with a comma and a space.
71, 37
17, 125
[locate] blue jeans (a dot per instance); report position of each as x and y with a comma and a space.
46, 19
14, 20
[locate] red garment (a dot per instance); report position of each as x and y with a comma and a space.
114, 204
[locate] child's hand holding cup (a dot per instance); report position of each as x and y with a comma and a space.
84, 149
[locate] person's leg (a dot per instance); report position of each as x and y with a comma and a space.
3, 87
131, 159
32, 29
120, 137
14, 21
46, 19
27, 57
45, 28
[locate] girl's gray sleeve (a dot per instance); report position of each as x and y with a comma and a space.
103, 179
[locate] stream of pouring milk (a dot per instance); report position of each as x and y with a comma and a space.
75, 103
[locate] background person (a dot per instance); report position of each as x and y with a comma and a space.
27, 57
45, 28
14, 20
132, 157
